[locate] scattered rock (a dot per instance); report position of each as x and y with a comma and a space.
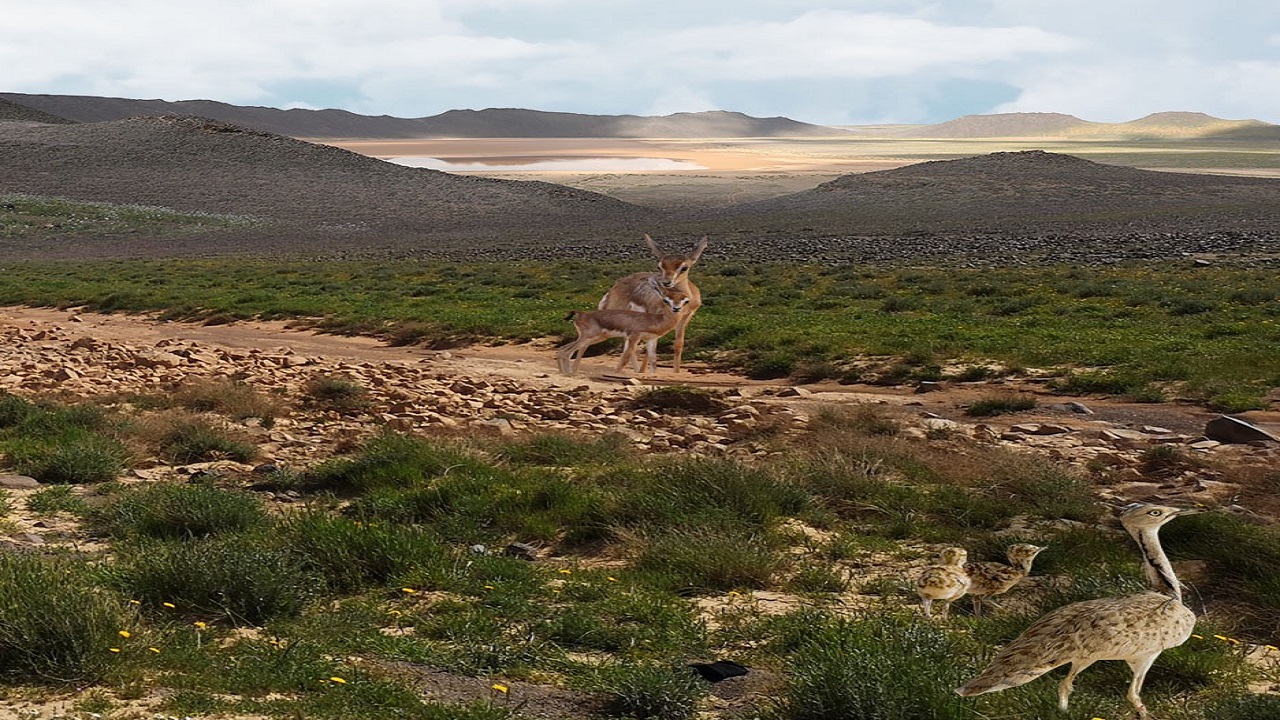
1227, 429
524, 551
14, 482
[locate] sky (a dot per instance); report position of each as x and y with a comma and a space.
852, 62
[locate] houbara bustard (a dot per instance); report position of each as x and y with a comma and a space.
944, 583
1133, 628
987, 579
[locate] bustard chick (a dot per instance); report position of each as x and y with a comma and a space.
1133, 628
987, 579
945, 583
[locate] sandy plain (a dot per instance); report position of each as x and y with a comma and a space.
734, 170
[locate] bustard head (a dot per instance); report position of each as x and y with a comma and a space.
1022, 553
1137, 517
954, 556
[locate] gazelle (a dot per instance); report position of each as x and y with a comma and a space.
635, 327
643, 291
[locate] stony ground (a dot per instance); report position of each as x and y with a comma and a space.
512, 389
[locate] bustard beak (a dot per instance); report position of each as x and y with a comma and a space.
1189, 511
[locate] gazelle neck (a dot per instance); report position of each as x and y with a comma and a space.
1156, 565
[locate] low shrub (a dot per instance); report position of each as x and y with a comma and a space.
339, 394
390, 460
246, 578
350, 554
191, 441
57, 626
55, 499
171, 510
653, 692
1000, 405
711, 559
558, 450
883, 667
232, 398
76, 458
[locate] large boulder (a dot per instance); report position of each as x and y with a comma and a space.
1227, 429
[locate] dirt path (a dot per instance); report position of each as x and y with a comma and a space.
534, 364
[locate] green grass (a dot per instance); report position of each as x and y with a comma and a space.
57, 628
167, 510
373, 567
31, 217
386, 574
1128, 329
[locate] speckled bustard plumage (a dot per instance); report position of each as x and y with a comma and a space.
1133, 628
944, 583
987, 579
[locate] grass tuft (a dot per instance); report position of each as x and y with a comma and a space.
57, 627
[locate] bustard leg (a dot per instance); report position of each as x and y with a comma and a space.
1064, 690
927, 604
1139, 666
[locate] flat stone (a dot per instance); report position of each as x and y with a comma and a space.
18, 481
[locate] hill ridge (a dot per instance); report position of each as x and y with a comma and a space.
490, 122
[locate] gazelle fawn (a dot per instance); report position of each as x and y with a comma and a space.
635, 327
643, 291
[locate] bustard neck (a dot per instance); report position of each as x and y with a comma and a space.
1155, 564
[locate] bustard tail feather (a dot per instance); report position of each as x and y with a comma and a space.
999, 678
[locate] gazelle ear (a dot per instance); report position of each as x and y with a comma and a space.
697, 252
657, 251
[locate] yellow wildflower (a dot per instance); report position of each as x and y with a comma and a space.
338, 680
408, 590
566, 571
169, 605
124, 633
200, 624
114, 649
155, 650
500, 688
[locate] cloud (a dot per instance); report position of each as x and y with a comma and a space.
839, 44
900, 60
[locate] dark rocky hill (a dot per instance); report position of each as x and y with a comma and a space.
305, 195
494, 122
1019, 203
1027, 191
14, 112
317, 200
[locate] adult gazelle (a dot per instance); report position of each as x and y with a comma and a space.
643, 292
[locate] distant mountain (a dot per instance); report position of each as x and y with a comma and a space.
1162, 125
1003, 125
494, 122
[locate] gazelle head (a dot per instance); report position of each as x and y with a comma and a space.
673, 268
675, 300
